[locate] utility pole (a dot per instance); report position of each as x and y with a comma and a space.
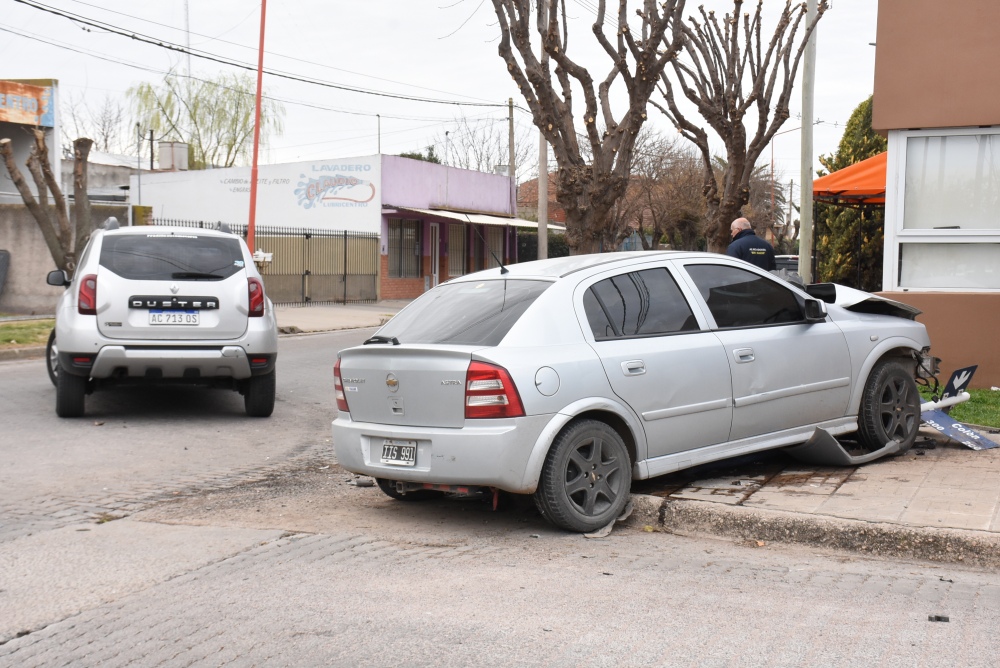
378, 129
510, 155
543, 164
251, 226
806, 189
138, 165
151, 166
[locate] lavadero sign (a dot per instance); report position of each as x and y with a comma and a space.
27, 104
336, 185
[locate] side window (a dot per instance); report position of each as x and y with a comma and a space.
740, 298
640, 303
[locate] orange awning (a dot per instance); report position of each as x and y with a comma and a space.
861, 183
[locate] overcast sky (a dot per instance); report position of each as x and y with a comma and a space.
435, 49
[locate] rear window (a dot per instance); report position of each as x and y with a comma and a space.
171, 257
465, 313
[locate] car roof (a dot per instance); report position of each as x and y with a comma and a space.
554, 268
166, 230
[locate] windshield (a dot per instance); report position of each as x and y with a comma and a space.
162, 257
465, 313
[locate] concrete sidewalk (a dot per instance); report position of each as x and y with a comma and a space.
294, 319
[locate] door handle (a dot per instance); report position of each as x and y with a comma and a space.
743, 355
634, 367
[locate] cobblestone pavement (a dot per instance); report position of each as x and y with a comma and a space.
353, 598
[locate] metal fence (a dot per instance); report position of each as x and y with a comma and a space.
310, 266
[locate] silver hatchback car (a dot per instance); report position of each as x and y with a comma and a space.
567, 378
163, 305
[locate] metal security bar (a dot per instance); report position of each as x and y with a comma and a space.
310, 266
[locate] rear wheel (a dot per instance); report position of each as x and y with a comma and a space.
52, 358
388, 487
586, 478
890, 408
70, 393
258, 396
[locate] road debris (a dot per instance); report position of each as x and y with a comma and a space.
938, 618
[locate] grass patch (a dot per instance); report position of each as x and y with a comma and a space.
22, 333
982, 409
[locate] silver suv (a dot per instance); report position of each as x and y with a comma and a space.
164, 305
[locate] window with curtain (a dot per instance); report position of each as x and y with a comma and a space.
404, 248
456, 249
495, 239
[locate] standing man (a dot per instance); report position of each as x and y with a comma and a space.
748, 246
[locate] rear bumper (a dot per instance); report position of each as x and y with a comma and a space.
492, 453
168, 363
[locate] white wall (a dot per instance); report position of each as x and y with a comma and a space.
343, 194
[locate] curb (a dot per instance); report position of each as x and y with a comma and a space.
31, 352
754, 525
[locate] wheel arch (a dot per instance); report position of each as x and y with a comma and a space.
617, 416
896, 349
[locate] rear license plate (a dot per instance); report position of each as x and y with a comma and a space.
173, 317
399, 453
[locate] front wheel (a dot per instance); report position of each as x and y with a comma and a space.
258, 396
586, 478
890, 408
52, 358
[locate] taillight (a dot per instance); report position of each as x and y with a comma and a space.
256, 292
86, 302
338, 386
490, 392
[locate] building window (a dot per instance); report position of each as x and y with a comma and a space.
404, 248
456, 249
950, 266
952, 182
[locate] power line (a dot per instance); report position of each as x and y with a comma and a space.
273, 53
205, 55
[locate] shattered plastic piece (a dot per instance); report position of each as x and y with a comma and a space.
937, 618
534, 535
603, 532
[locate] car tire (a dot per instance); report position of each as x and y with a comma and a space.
890, 408
388, 487
52, 358
258, 397
71, 391
586, 478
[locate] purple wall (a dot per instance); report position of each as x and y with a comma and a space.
422, 185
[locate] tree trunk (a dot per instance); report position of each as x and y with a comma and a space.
81, 207
40, 153
38, 213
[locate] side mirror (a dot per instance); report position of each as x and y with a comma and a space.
815, 310
58, 278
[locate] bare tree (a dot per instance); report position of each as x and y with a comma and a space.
587, 189
65, 242
483, 144
107, 123
664, 194
726, 77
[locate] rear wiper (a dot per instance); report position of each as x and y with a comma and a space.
382, 339
196, 274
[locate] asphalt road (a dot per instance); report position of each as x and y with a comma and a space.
179, 532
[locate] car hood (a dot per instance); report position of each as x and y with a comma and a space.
860, 301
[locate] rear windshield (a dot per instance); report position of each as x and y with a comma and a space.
175, 257
465, 313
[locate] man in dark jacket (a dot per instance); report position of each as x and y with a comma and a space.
748, 246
